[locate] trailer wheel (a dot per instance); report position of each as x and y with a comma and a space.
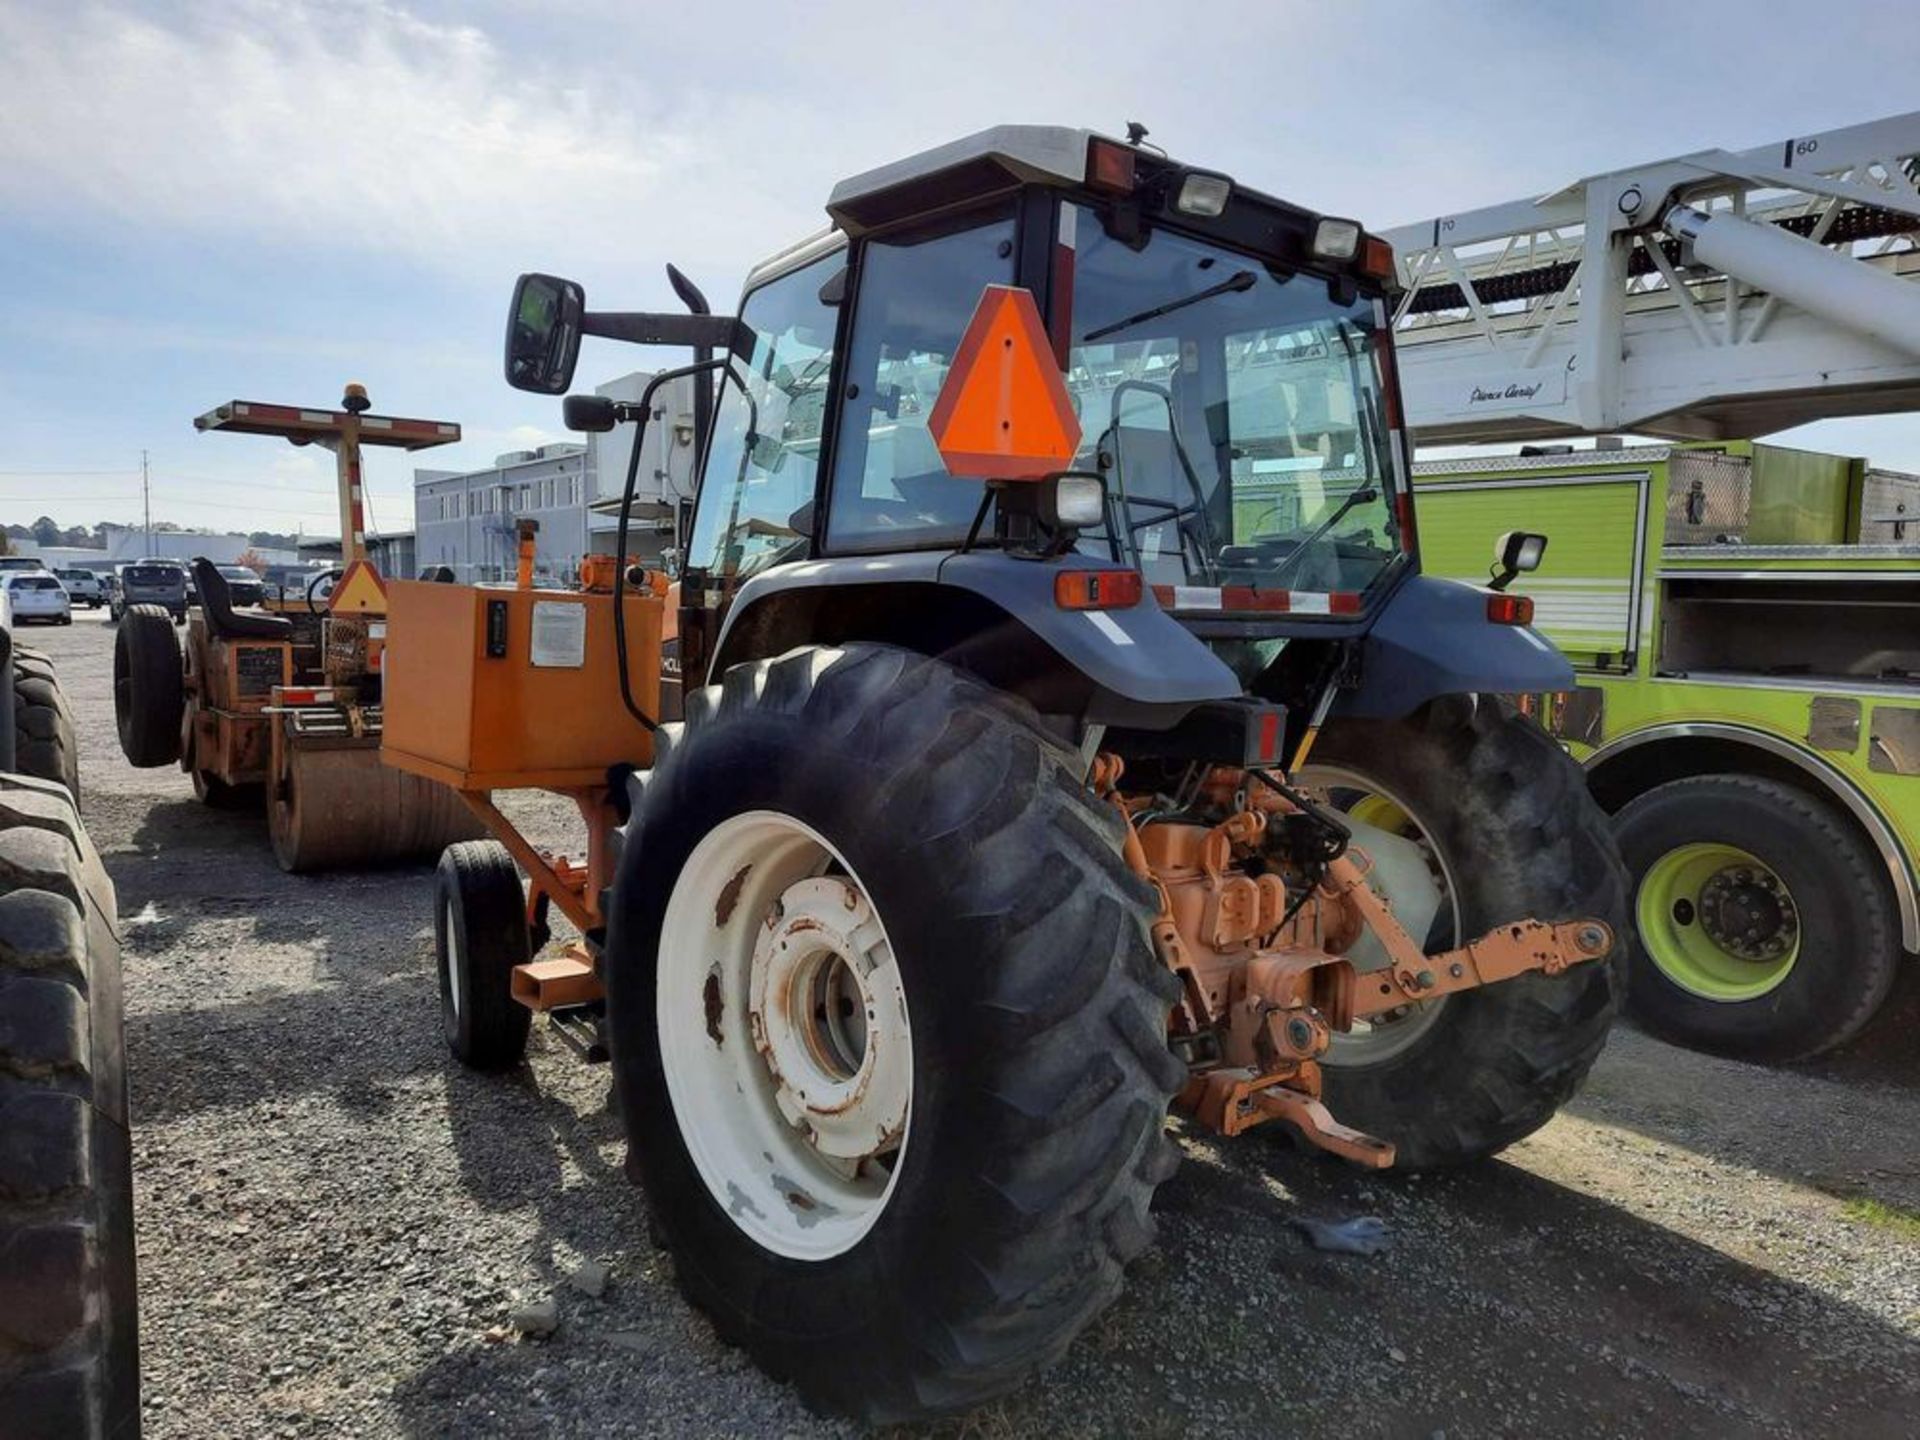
148, 695
479, 935
887, 1029
1504, 815
1766, 928
67, 1299
43, 741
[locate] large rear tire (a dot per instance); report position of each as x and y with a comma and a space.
1765, 926
68, 1353
1505, 814
43, 740
149, 697
888, 1029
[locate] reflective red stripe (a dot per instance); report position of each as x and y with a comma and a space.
1245, 598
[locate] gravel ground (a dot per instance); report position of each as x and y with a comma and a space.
336, 1223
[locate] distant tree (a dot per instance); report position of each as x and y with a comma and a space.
6, 545
46, 532
253, 560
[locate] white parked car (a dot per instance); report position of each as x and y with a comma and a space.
83, 587
37, 597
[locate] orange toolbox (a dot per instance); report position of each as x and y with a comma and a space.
489, 688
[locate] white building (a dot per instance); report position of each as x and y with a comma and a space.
124, 543
466, 520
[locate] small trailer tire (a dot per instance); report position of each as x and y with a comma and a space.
479, 935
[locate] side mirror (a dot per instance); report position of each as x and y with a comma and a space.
1515, 553
543, 333
594, 413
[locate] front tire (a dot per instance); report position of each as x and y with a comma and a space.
1765, 925
1507, 816
986, 948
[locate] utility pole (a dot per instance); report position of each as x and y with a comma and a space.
146, 502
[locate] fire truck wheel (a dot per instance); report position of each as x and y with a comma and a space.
479, 935
1765, 927
888, 1029
148, 698
1506, 816
67, 1289
43, 740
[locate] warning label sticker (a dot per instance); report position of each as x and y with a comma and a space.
559, 634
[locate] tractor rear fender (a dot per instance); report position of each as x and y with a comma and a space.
1433, 638
992, 615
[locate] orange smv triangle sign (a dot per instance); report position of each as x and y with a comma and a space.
1003, 412
359, 590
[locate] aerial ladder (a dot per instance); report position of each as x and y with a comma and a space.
1740, 616
1717, 295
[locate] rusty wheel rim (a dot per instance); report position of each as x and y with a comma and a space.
784, 1035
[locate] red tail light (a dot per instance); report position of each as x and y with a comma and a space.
1110, 167
1376, 258
1504, 609
1097, 589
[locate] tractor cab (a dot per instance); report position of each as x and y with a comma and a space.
1015, 365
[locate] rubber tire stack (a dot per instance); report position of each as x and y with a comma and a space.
43, 740
149, 696
68, 1350
1038, 1012
1520, 836
480, 908
1850, 928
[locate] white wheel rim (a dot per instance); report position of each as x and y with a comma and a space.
453, 962
1414, 903
784, 1035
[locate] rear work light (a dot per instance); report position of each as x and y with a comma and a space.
1336, 239
1203, 194
1503, 609
1097, 589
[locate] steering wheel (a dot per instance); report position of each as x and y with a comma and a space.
331, 578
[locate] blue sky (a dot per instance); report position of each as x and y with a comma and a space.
205, 200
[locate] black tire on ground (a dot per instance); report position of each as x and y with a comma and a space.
1516, 830
217, 794
1846, 911
148, 696
43, 740
69, 1363
479, 935
1037, 1013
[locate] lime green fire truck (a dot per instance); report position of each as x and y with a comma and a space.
1745, 624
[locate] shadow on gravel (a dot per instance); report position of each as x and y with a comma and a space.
1842, 1126
1507, 1303
274, 1049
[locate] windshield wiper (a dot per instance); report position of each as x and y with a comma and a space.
1239, 280
1364, 495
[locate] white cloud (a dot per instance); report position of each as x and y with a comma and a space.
351, 125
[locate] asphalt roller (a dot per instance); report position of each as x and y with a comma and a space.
283, 703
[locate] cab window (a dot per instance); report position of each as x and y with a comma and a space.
891, 490
764, 460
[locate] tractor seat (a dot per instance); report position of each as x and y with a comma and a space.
216, 602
